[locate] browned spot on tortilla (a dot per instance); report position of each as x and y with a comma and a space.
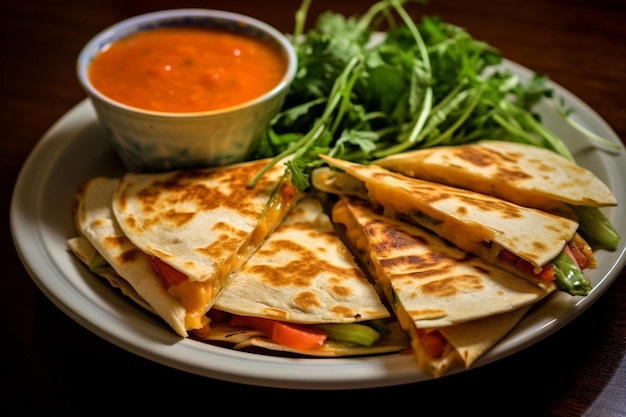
392, 238
462, 211
480, 156
341, 291
344, 311
225, 243
114, 242
475, 156
512, 175
186, 192
450, 286
97, 223
129, 256
131, 222
302, 269
307, 300
431, 193
483, 157
122, 198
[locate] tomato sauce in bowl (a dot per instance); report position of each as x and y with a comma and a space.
186, 88
187, 69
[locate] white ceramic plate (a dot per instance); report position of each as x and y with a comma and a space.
76, 149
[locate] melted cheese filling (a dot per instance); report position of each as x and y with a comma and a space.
194, 296
197, 297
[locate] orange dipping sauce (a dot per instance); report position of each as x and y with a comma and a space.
187, 69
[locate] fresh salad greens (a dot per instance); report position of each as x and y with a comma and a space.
360, 96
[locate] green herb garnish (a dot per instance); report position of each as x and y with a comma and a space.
359, 98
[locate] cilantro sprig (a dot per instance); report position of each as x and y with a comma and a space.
360, 97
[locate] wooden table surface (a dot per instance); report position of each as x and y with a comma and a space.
52, 365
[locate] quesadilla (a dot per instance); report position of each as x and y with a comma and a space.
303, 275
281, 283
453, 305
193, 228
525, 241
523, 174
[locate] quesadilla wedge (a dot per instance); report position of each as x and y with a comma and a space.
541, 247
103, 247
453, 305
523, 174
304, 278
196, 227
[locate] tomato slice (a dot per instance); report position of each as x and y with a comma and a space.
292, 335
168, 274
547, 272
433, 342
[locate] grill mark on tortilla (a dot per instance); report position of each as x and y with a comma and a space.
182, 190
178, 218
448, 287
430, 260
432, 194
115, 242
341, 290
307, 300
524, 174
483, 157
425, 266
394, 238
129, 256
344, 311
131, 222
511, 175
301, 268
227, 242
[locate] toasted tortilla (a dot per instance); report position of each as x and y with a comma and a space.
435, 286
477, 223
204, 223
196, 220
304, 274
469, 339
128, 268
523, 174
